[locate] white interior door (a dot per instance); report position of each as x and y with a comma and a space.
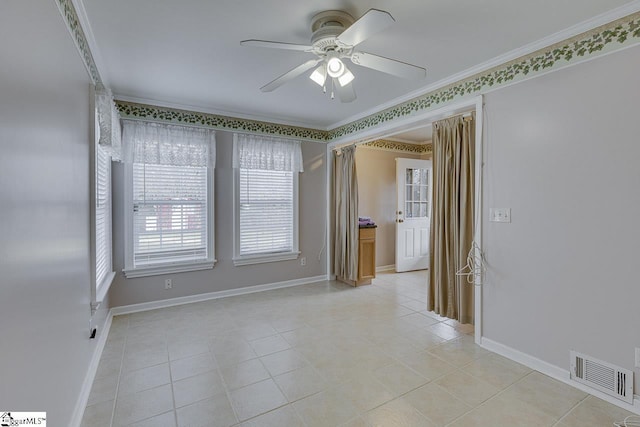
413, 214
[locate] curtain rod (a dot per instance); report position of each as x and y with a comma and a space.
342, 147
467, 116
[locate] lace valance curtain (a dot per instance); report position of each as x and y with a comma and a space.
168, 144
108, 123
266, 153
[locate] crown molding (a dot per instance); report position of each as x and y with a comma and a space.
83, 18
208, 110
130, 110
399, 147
616, 35
71, 18
614, 30
558, 37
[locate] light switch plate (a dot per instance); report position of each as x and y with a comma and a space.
500, 214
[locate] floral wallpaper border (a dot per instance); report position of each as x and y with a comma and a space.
609, 37
401, 147
616, 34
149, 112
70, 16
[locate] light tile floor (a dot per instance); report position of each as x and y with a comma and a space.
321, 355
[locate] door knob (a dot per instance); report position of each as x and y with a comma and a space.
401, 220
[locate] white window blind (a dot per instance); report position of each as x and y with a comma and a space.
169, 214
266, 203
169, 177
103, 215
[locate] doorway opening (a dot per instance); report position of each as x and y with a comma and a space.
404, 203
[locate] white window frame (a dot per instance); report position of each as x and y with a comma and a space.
172, 267
239, 260
98, 289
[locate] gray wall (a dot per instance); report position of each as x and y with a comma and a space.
225, 275
562, 151
377, 196
44, 211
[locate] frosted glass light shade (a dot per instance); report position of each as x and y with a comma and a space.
346, 78
319, 75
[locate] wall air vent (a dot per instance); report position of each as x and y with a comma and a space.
603, 376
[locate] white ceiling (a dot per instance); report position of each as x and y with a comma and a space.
187, 53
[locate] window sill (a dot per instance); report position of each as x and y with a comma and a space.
263, 258
168, 268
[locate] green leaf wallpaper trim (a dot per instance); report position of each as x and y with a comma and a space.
615, 35
611, 36
73, 25
149, 112
400, 147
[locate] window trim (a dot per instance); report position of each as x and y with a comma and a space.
240, 260
98, 291
171, 267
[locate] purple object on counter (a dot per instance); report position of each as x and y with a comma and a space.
365, 220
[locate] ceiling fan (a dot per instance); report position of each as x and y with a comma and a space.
335, 35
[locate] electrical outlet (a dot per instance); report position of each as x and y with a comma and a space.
637, 357
303, 260
500, 214
168, 284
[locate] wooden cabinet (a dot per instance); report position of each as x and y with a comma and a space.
366, 257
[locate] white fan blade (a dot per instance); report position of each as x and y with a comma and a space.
345, 93
369, 24
389, 66
276, 45
290, 75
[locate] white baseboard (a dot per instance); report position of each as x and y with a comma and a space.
85, 391
152, 305
390, 267
555, 372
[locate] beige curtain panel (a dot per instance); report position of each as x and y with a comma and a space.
345, 219
452, 218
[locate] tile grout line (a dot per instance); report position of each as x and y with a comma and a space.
173, 396
571, 410
124, 349
488, 400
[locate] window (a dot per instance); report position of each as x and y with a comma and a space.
103, 265
170, 203
266, 199
106, 147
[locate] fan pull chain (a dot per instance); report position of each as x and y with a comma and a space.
332, 96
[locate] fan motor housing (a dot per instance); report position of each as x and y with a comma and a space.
326, 26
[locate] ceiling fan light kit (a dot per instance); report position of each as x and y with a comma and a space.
335, 34
319, 75
346, 78
335, 67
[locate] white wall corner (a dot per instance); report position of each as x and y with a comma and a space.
555, 372
85, 391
